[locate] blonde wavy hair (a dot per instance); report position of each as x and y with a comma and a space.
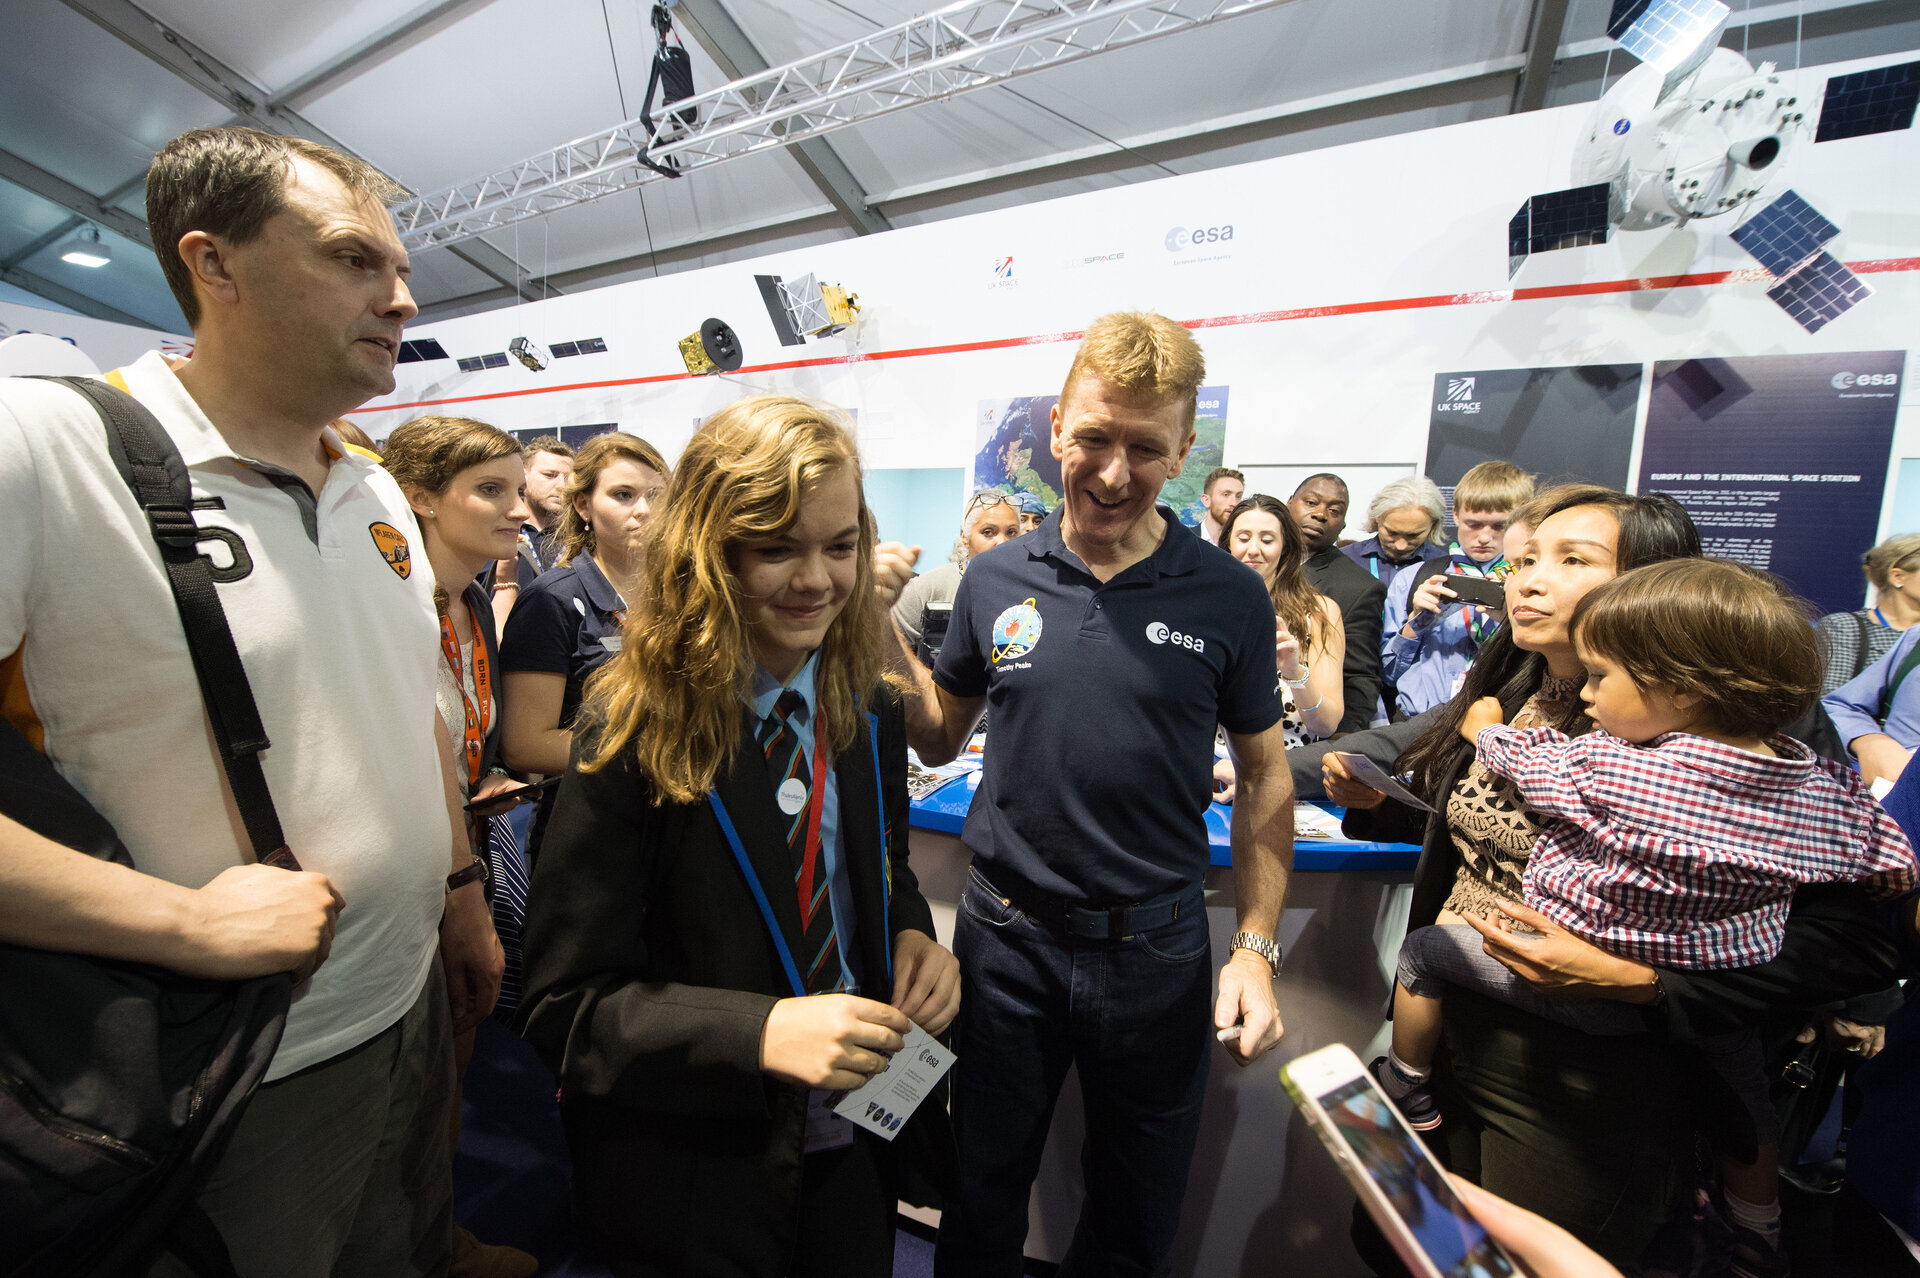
576, 534
674, 692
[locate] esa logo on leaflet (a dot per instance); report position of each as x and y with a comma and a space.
1159, 632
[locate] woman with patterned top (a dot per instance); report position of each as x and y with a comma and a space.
1594, 1132
1852, 641
1677, 833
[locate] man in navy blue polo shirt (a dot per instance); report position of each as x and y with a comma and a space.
1108, 650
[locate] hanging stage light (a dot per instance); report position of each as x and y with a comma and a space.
672, 76
713, 349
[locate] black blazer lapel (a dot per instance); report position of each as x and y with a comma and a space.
865, 845
748, 798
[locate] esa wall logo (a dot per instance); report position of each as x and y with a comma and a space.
1212, 243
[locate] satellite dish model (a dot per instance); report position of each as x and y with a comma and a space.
1697, 132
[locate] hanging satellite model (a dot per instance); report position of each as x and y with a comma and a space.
807, 308
1697, 132
528, 354
713, 349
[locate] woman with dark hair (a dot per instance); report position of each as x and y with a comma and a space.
1593, 1133
1311, 644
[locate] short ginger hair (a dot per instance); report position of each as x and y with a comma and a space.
1142, 354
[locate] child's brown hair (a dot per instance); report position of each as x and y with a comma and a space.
1735, 638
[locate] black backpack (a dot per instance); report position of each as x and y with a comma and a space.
120, 1082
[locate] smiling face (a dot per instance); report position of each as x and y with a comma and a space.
793, 586
1402, 532
318, 299
1568, 554
988, 526
1627, 710
1319, 506
1257, 540
1116, 450
624, 495
477, 519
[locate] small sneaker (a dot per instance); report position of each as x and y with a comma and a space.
1756, 1255
1414, 1100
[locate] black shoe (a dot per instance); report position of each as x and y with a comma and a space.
1414, 1101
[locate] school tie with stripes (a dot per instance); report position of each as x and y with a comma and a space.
819, 955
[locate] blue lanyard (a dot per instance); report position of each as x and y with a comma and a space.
760, 893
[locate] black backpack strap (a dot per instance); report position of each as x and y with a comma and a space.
152, 467
1864, 646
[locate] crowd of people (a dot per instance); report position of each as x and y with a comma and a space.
1652, 856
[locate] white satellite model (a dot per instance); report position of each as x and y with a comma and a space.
1695, 131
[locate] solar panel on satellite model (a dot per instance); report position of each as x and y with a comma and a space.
592, 346
422, 348
1784, 234
472, 364
496, 360
560, 350
1864, 102
1573, 218
1667, 33
1818, 292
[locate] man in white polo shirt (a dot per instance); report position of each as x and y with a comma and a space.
287, 265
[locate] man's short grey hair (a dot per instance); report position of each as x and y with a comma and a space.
1415, 492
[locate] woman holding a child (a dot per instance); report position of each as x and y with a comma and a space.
1595, 1132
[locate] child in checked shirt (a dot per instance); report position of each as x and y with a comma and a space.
1677, 833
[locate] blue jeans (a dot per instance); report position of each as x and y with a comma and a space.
1134, 1016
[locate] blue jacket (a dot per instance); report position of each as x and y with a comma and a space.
1855, 705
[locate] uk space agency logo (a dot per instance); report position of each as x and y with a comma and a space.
1016, 632
1459, 397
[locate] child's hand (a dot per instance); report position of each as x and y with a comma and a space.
1484, 713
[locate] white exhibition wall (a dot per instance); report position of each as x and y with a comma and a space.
1351, 277
107, 344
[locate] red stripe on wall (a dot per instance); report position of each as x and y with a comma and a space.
1651, 283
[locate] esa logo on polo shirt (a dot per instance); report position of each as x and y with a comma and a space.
1159, 632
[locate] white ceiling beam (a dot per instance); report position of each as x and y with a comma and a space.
251, 103
73, 301
55, 190
1543, 42
716, 30
387, 40
967, 45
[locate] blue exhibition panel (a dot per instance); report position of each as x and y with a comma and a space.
945, 810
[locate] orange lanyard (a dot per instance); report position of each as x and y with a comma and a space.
476, 726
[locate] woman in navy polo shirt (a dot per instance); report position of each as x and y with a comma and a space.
567, 622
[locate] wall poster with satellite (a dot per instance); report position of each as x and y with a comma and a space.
1012, 450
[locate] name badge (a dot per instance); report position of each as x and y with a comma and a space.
885, 1102
825, 1129
791, 796
611, 643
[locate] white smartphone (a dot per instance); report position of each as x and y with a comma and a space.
1390, 1169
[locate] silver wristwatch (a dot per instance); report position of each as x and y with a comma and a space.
1265, 946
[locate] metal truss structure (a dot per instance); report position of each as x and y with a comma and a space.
964, 46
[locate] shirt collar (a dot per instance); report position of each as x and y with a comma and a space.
764, 689
601, 593
151, 380
1175, 556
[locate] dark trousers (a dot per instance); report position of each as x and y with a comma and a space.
846, 1216
1133, 1015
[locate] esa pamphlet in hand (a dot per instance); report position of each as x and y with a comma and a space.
885, 1102
1369, 773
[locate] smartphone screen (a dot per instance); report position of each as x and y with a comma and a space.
1412, 1183
1478, 590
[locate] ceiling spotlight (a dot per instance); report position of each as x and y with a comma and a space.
714, 349
806, 307
527, 353
86, 248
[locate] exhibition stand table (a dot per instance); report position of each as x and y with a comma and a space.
1263, 1196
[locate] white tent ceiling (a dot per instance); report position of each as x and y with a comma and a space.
446, 90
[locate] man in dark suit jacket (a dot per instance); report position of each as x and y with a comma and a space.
1319, 506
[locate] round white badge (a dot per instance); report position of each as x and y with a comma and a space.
792, 795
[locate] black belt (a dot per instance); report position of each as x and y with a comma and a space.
1091, 922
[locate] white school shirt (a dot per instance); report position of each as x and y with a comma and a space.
336, 629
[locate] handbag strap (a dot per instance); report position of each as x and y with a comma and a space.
1864, 646
152, 467
1907, 664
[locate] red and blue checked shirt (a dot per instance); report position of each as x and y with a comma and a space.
1684, 852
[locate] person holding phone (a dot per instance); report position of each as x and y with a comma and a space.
723, 927
569, 620
1424, 659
